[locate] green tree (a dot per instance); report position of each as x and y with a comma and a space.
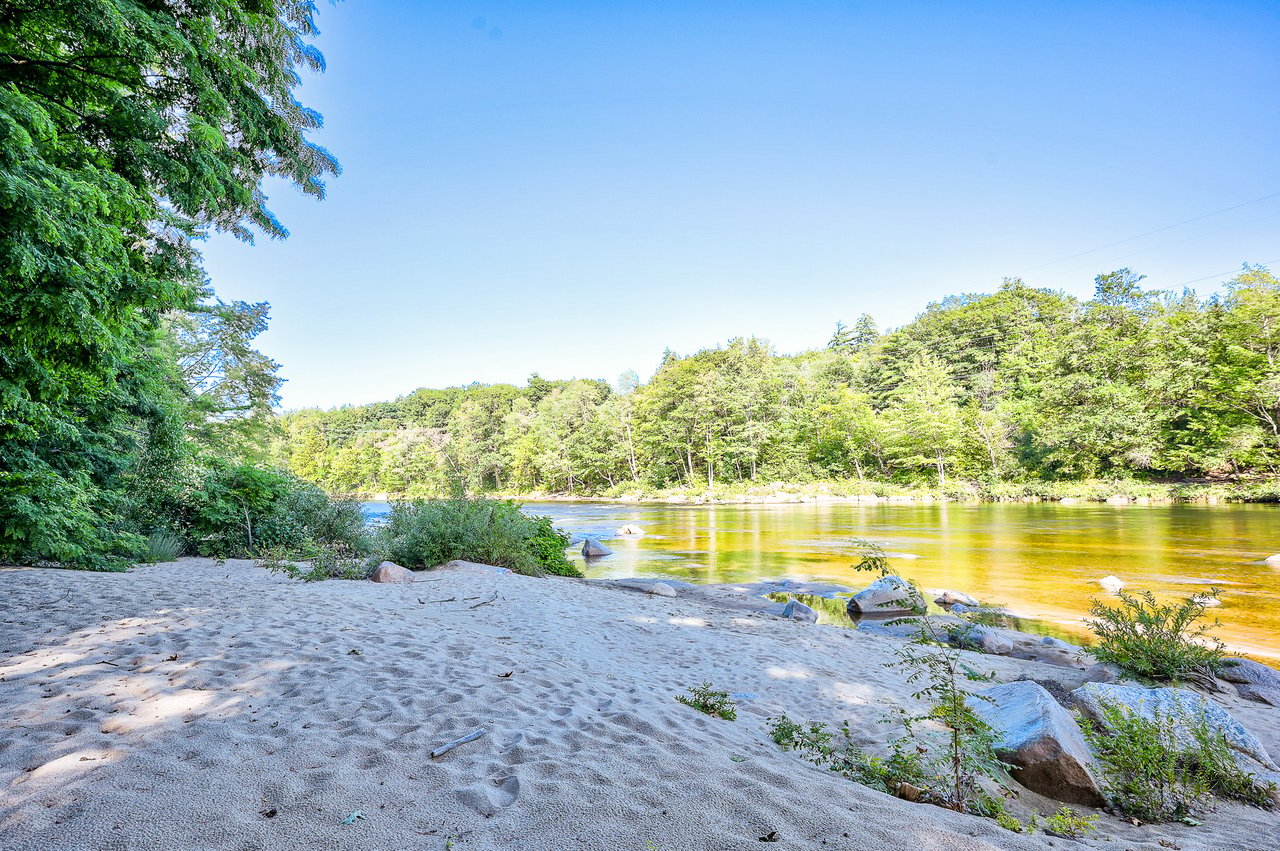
125, 131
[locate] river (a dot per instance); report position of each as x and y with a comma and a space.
1041, 560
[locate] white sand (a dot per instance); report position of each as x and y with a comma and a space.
170, 707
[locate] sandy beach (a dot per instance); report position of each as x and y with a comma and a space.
198, 705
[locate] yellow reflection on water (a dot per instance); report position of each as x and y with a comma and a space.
1041, 560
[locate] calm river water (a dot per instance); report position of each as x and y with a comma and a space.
1041, 560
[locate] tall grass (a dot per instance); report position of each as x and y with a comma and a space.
163, 545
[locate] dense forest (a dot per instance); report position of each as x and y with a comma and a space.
1023, 384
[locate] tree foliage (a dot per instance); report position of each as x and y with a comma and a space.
126, 130
1020, 385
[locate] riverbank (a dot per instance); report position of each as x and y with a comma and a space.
1114, 491
199, 704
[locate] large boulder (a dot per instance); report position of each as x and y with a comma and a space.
1039, 737
390, 572
888, 595
591, 548
1253, 681
1180, 704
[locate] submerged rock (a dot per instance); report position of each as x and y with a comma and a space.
888, 595
591, 548
797, 611
1179, 704
1253, 681
390, 572
1039, 737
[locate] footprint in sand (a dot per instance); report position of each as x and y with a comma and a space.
491, 797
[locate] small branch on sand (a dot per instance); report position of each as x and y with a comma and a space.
445, 600
485, 602
105, 662
469, 737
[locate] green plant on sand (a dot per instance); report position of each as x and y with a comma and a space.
708, 701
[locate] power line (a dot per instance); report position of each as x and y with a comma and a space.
1228, 272
1152, 232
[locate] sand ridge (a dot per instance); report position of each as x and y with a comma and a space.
201, 705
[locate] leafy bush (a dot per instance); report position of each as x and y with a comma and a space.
329, 562
708, 701
903, 765
1151, 773
1156, 641
163, 545
1068, 823
428, 533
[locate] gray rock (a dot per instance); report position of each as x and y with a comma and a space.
991, 640
630, 529
591, 548
1100, 672
1058, 643
1180, 704
1275, 559
797, 611
1034, 733
390, 572
946, 597
658, 589
959, 609
1254, 681
888, 595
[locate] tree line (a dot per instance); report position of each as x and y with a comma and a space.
1022, 384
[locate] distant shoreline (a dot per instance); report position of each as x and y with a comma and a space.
1120, 492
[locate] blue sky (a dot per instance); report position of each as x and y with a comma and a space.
570, 188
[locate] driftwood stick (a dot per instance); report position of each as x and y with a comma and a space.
469, 737
485, 602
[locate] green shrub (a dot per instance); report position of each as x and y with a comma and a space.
1068, 823
163, 545
241, 511
427, 533
330, 562
1151, 773
708, 701
1156, 641
904, 764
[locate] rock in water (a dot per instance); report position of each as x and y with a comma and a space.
1253, 680
591, 548
947, 597
1034, 733
630, 530
1180, 704
1275, 559
389, 571
888, 595
797, 611
1111, 584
